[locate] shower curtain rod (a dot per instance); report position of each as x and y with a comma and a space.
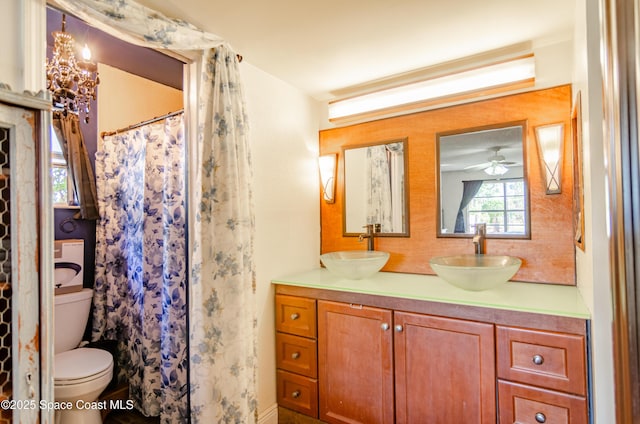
140, 124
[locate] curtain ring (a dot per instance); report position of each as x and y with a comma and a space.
67, 226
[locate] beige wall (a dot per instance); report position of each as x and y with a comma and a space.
592, 264
10, 63
284, 142
125, 99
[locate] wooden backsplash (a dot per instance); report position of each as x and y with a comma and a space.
548, 257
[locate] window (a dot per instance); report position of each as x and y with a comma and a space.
60, 179
499, 204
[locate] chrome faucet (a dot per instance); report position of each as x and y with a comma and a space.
479, 238
372, 229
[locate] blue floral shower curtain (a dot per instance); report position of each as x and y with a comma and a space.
222, 304
140, 287
223, 323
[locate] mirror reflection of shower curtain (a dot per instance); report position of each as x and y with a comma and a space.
140, 286
385, 187
378, 188
396, 172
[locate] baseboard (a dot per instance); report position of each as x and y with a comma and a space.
269, 415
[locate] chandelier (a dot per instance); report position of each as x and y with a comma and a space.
71, 82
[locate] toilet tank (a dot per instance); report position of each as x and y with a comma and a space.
70, 314
68, 257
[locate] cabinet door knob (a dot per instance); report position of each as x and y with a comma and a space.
538, 360
384, 326
295, 394
540, 417
398, 328
295, 316
295, 355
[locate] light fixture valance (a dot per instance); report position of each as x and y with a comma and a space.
501, 74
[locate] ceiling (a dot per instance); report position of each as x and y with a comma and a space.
325, 47
473, 151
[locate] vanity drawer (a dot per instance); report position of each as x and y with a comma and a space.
296, 315
546, 359
297, 354
298, 393
529, 405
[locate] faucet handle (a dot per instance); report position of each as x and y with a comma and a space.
373, 228
369, 228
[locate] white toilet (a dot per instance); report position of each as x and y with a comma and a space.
80, 374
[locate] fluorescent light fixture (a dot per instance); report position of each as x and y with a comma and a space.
490, 76
550, 139
327, 164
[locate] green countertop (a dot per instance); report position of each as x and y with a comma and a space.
546, 299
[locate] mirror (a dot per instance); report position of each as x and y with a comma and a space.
482, 179
375, 188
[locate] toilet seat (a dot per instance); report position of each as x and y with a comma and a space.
81, 365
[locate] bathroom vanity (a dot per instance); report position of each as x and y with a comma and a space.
406, 348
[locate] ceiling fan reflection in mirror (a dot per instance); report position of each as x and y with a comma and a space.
496, 164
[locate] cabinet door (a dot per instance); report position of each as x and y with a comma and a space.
19, 280
355, 363
445, 370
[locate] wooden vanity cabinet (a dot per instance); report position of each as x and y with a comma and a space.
355, 363
541, 376
392, 360
296, 354
445, 370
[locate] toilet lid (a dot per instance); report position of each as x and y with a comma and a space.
81, 363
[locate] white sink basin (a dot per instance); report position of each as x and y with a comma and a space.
355, 264
475, 272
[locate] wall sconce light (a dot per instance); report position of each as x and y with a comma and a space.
327, 164
550, 140
509, 74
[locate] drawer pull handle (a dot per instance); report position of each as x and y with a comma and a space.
384, 326
538, 360
295, 316
540, 417
295, 355
296, 395
398, 328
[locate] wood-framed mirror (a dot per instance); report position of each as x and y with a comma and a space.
376, 188
482, 178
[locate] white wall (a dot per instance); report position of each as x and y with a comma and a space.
592, 265
284, 139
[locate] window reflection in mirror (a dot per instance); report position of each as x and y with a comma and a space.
60, 180
375, 188
482, 179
